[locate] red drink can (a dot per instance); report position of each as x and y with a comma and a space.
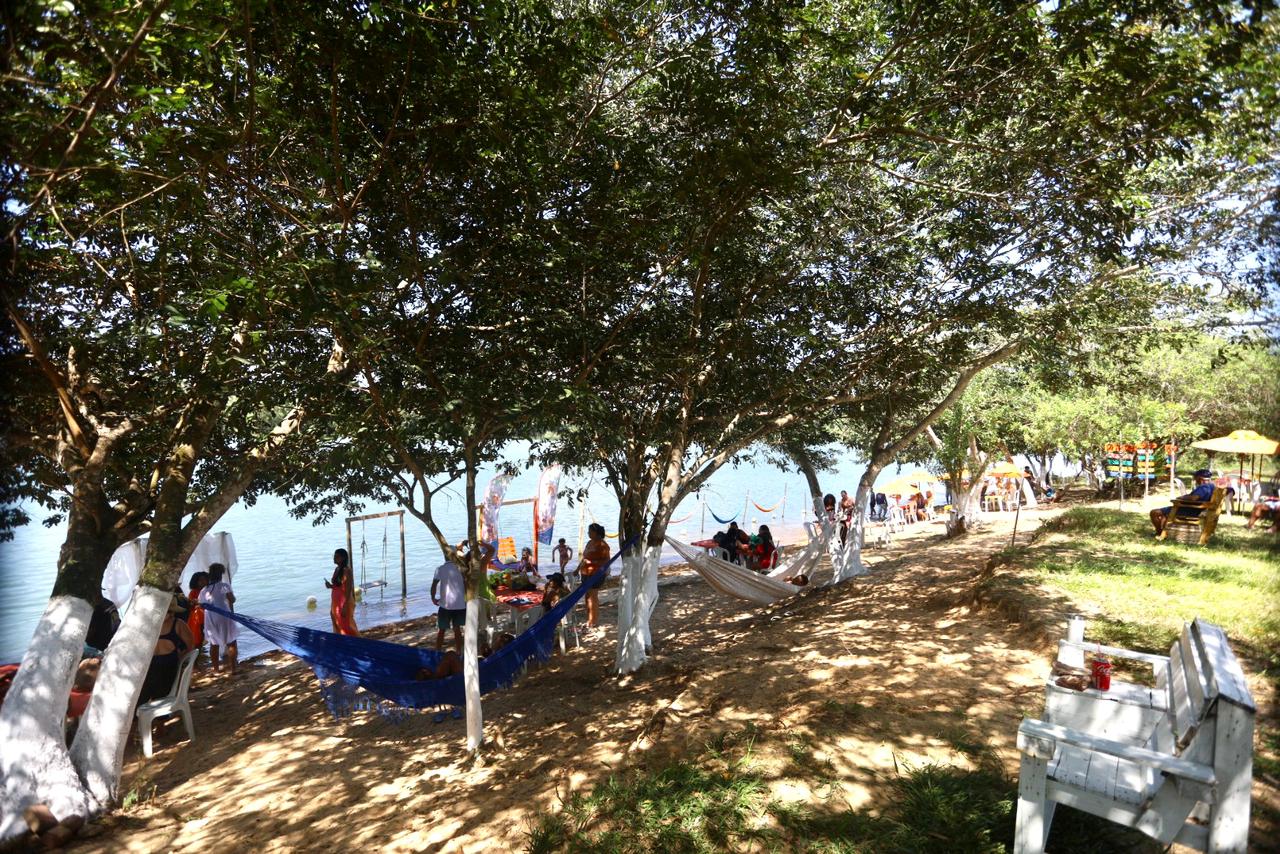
1102, 674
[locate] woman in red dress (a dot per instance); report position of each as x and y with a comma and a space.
342, 595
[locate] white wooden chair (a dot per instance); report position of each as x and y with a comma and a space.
1161, 761
175, 703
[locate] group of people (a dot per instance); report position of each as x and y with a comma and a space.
755, 551
448, 587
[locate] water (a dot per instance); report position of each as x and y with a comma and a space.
283, 560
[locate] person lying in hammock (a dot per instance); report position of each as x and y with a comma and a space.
798, 580
450, 663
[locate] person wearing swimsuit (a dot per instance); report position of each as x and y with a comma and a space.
174, 642
594, 556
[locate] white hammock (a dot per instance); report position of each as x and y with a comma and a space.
734, 580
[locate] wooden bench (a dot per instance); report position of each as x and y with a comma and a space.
1175, 762
1194, 528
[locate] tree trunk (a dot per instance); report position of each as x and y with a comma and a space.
850, 557
98, 749
475, 571
471, 673
806, 468
34, 762
636, 601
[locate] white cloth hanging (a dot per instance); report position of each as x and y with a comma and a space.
125, 567
734, 580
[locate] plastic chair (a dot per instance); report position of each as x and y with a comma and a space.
175, 703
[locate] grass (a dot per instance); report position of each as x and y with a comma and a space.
720, 801
1140, 591
684, 807
1107, 562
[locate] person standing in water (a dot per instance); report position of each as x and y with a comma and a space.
595, 554
562, 553
342, 595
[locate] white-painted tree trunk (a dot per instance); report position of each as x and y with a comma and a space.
98, 750
34, 762
471, 675
636, 601
850, 557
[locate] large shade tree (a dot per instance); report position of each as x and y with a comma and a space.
986, 174
164, 275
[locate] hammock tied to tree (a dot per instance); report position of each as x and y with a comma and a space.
344, 663
734, 580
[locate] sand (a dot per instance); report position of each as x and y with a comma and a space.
892, 668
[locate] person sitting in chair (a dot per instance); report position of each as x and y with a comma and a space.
1267, 508
1201, 495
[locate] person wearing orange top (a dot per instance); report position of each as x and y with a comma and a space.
195, 618
342, 595
595, 554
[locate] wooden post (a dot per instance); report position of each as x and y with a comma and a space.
404, 572
746, 501
704, 514
783, 516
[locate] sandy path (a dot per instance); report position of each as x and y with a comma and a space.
877, 672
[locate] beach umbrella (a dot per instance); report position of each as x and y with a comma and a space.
1004, 469
908, 484
1240, 442
1245, 443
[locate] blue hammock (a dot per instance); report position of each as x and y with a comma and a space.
723, 521
343, 663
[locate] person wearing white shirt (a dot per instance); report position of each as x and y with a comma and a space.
449, 593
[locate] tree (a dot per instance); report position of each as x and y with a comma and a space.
159, 334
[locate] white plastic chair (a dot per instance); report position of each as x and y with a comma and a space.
175, 703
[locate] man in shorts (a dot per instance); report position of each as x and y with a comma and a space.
452, 601
1202, 493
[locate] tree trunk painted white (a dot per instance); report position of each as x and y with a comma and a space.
34, 762
636, 601
849, 558
1028, 495
471, 675
98, 749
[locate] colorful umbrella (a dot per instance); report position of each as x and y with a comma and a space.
1240, 442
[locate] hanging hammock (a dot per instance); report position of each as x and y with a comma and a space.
767, 509
734, 580
343, 663
723, 521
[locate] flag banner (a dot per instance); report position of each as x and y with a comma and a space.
489, 510
544, 505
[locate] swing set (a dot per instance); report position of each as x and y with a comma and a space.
380, 584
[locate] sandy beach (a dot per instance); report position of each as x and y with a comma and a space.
895, 667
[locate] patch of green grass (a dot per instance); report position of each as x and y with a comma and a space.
1146, 589
680, 808
943, 807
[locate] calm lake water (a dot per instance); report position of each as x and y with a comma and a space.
283, 560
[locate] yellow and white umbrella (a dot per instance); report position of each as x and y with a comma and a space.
1240, 442
909, 484
1244, 443
1004, 469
